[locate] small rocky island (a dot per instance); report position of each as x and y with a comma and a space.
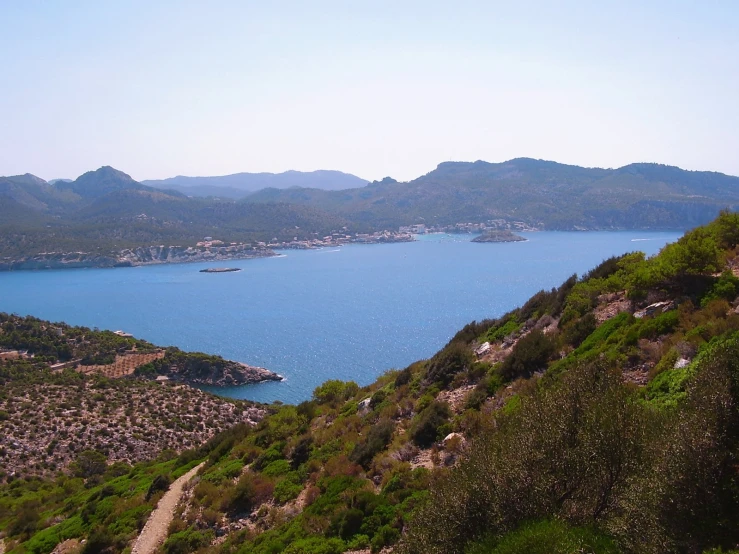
499, 236
220, 269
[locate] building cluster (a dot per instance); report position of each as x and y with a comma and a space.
337, 239
208, 242
490, 225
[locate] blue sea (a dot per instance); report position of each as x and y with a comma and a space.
346, 313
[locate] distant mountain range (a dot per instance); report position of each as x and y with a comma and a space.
240, 185
545, 194
106, 209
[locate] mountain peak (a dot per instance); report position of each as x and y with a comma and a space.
27, 179
107, 171
100, 182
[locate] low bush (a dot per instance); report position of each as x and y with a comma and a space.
429, 424
378, 438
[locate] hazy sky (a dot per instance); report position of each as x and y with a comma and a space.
159, 88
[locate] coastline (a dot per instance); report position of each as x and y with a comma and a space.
158, 255
82, 260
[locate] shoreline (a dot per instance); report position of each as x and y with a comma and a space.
84, 260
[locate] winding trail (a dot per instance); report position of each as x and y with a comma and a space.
155, 530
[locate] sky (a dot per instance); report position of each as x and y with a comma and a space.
373, 88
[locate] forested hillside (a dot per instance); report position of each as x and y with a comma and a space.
105, 211
540, 193
601, 416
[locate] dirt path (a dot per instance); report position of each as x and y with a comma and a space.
155, 530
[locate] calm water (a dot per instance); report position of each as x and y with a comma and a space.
348, 313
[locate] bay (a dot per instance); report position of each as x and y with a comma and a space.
346, 313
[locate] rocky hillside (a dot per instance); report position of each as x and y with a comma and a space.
600, 416
46, 427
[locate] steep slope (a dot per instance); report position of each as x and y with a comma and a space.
600, 416
546, 424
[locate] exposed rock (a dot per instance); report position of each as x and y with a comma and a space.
70, 546
451, 436
610, 305
364, 405
456, 398
129, 421
652, 309
227, 375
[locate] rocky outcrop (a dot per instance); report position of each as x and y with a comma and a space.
228, 374
181, 254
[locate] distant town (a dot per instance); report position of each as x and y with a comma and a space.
403, 234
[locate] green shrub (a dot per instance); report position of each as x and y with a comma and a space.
160, 483
403, 377
530, 354
378, 438
272, 454
187, 541
277, 468
346, 523
598, 337
358, 542
43, 542
427, 428
578, 330
476, 398
500, 332
568, 450
377, 399
99, 540
444, 365
286, 490
89, 463
659, 325
333, 391
547, 537
726, 288
385, 536
301, 452
315, 545
250, 491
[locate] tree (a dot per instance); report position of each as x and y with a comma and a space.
89, 463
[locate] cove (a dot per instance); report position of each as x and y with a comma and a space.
348, 313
